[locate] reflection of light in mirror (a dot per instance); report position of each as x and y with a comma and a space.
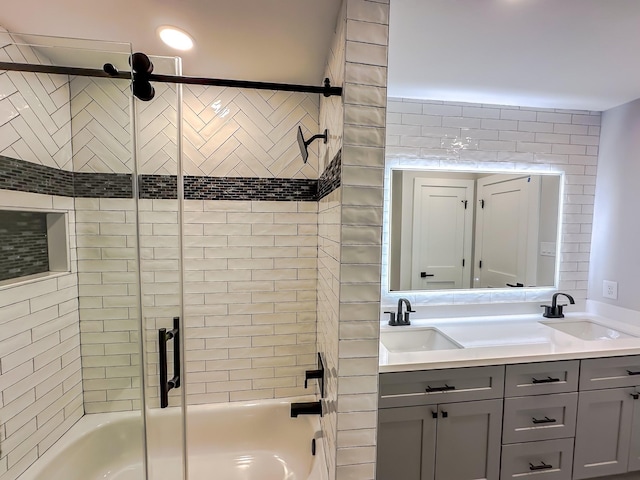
219, 109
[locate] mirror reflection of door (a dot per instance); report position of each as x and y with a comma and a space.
442, 227
506, 231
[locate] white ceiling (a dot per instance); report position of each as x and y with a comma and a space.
543, 53
260, 40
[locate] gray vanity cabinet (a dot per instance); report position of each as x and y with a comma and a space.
608, 425
603, 432
468, 440
406, 443
452, 441
440, 424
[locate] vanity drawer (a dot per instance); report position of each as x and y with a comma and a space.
401, 389
547, 417
613, 372
549, 460
541, 378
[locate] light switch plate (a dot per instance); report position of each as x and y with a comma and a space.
610, 289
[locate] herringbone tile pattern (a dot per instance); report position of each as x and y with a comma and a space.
34, 110
248, 133
100, 124
226, 131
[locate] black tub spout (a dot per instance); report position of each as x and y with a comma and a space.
306, 408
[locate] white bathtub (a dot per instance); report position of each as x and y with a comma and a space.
238, 441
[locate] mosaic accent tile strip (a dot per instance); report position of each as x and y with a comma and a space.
243, 188
26, 176
330, 179
158, 187
23, 244
102, 185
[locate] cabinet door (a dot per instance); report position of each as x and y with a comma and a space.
634, 449
603, 432
468, 440
406, 443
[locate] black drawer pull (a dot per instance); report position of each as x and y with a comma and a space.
635, 395
545, 380
629, 372
446, 388
544, 466
434, 414
445, 414
544, 420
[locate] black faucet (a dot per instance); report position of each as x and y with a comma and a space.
396, 319
306, 408
554, 310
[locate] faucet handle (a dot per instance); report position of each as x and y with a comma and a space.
392, 318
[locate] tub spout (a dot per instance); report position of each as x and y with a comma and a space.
306, 408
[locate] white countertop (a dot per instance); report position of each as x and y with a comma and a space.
507, 339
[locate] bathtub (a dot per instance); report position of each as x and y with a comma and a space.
236, 441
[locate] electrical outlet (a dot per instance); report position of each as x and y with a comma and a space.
610, 289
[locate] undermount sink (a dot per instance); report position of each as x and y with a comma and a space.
587, 330
416, 340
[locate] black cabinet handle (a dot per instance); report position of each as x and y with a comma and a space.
543, 420
545, 380
544, 466
163, 337
425, 275
635, 395
434, 414
446, 388
630, 372
444, 414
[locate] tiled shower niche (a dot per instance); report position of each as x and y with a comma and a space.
31, 243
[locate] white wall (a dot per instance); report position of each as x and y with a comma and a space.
614, 249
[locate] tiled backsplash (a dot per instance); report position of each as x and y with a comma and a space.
459, 136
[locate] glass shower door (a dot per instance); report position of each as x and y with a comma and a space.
159, 213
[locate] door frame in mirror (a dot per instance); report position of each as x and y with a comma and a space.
474, 295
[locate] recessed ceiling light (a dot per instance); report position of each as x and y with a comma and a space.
175, 38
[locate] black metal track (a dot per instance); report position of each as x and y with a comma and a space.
327, 91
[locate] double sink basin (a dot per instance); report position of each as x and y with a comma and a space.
430, 338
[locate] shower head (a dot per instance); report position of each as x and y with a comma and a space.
303, 144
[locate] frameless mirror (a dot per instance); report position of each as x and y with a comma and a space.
461, 230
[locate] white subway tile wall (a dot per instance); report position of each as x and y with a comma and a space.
462, 136
109, 319
329, 214
361, 237
250, 298
40, 377
34, 109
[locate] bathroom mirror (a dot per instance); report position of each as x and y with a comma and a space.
481, 229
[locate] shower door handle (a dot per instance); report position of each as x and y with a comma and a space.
163, 337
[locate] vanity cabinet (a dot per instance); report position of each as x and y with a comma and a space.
562, 420
539, 421
608, 425
425, 433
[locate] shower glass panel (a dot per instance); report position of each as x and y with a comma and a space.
66, 146
159, 209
